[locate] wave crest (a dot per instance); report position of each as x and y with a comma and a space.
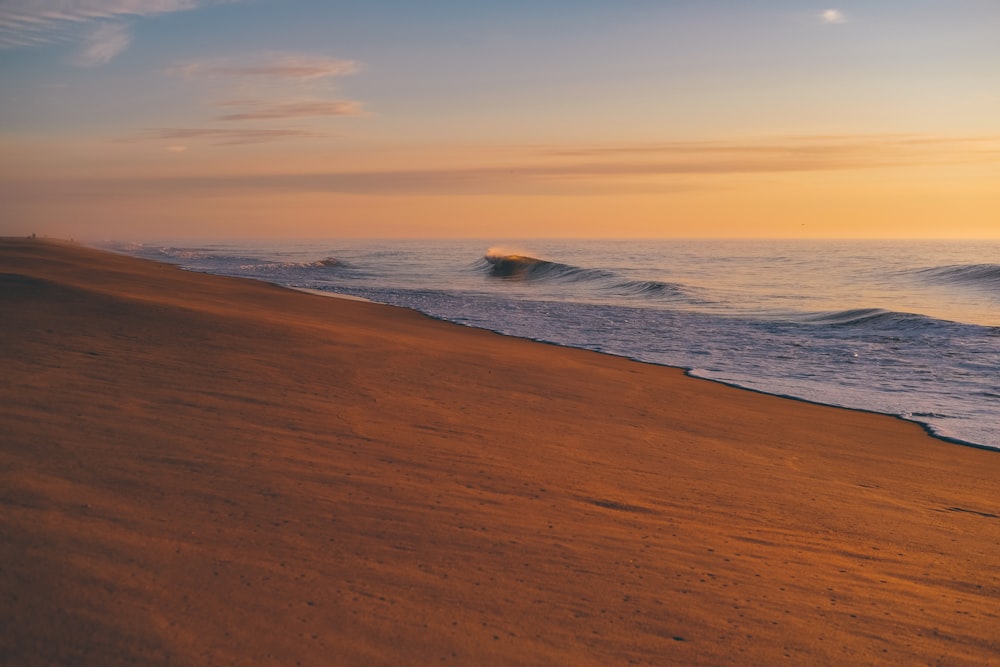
505, 265
870, 317
977, 275
519, 267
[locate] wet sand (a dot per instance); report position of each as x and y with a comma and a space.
198, 470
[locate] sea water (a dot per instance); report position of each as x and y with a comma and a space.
907, 328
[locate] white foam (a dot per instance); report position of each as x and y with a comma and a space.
335, 295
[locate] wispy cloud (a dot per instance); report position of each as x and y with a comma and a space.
271, 111
672, 167
833, 16
33, 23
282, 86
102, 44
783, 154
273, 65
221, 136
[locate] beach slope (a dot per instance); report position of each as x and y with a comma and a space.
199, 470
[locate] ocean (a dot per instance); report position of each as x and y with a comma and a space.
906, 328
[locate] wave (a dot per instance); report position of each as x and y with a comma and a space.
214, 258
871, 318
649, 288
978, 275
523, 267
517, 267
188, 254
327, 263
877, 319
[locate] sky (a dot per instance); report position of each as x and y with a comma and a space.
155, 119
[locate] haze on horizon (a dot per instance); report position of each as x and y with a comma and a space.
673, 118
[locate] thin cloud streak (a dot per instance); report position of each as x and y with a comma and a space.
687, 167
854, 150
281, 66
297, 110
26, 23
223, 136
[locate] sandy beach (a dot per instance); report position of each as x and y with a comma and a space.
200, 470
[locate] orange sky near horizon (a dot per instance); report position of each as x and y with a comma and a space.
872, 187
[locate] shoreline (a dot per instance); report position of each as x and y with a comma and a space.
333, 295
198, 469
927, 428
688, 371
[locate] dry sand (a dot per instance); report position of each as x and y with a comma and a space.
198, 470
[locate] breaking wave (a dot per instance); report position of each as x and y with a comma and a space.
328, 263
208, 257
525, 268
